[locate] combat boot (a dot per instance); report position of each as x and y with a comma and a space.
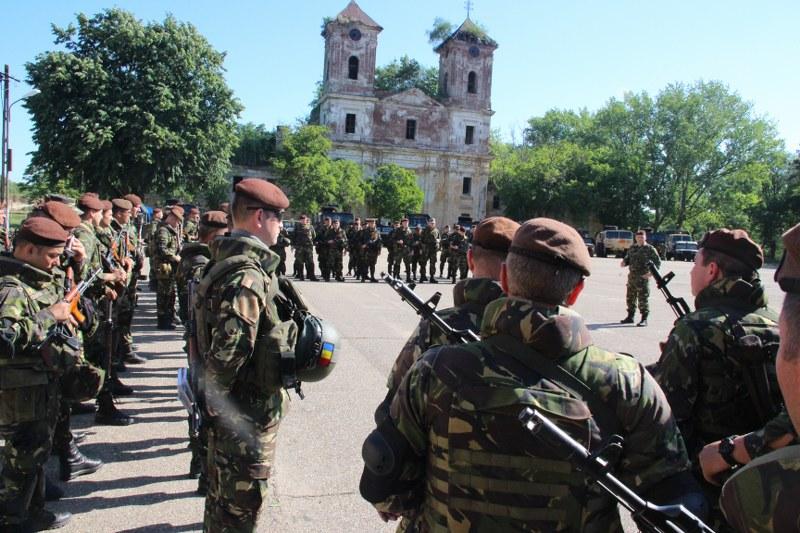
108, 414
643, 322
118, 388
82, 408
195, 467
72, 463
42, 520
433, 280
52, 492
133, 358
422, 278
628, 319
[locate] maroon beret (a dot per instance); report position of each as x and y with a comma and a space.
132, 198
62, 213
43, 231
735, 243
495, 233
107, 205
788, 273
264, 192
122, 204
214, 219
90, 200
552, 242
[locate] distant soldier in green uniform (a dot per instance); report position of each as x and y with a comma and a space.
458, 254
461, 459
323, 247
416, 250
390, 247
336, 242
430, 244
149, 236
354, 258
167, 259
400, 241
444, 246
244, 395
717, 367
372, 245
125, 209
280, 249
638, 288
32, 361
190, 227
303, 240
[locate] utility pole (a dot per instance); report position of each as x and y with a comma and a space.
5, 202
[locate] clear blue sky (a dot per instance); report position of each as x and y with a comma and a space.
553, 53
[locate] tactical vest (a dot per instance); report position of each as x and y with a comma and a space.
478, 483
273, 341
739, 390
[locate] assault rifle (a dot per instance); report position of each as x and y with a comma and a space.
649, 517
679, 305
427, 310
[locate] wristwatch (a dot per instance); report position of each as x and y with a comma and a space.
725, 450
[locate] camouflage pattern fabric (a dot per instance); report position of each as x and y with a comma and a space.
337, 243
166, 247
242, 385
400, 241
444, 246
355, 259
430, 244
762, 496
372, 250
126, 299
416, 251
194, 256
190, 231
477, 469
303, 244
324, 234
757, 442
280, 249
638, 287
458, 256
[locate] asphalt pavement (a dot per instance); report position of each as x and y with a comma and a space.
314, 488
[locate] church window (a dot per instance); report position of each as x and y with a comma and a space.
469, 136
496, 201
445, 84
466, 186
350, 123
411, 129
472, 83
352, 68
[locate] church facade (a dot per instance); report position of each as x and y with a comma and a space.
443, 140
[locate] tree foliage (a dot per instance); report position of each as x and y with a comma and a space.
256, 145
406, 73
130, 106
312, 178
395, 192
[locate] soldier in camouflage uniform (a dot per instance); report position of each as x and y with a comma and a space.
400, 241
444, 246
323, 248
430, 244
126, 237
243, 389
638, 288
458, 246
390, 247
372, 245
167, 259
303, 245
353, 247
463, 460
31, 390
190, 227
416, 251
336, 242
280, 248
713, 356
149, 236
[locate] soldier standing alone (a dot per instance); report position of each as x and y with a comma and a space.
638, 288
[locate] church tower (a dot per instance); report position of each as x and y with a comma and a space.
351, 40
465, 68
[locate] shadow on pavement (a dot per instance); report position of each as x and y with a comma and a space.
87, 505
79, 489
159, 528
609, 325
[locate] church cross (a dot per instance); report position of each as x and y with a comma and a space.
468, 7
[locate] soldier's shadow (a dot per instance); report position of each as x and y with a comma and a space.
609, 325
160, 528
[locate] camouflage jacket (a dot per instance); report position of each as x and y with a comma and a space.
444, 243
458, 405
470, 297
303, 236
704, 384
336, 239
190, 231
372, 242
323, 234
283, 240
242, 381
637, 257
194, 256
167, 243
430, 239
458, 244
401, 239
87, 235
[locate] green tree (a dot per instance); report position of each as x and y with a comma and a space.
394, 192
779, 208
406, 73
130, 106
256, 145
351, 187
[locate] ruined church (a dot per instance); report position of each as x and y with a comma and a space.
443, 140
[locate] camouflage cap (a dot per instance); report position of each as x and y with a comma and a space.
495, 233
61, 213
175, 210
552, 242
43, 231
89, 200
788, 273
132, 198
262, 191
214, 219
735, 243
122, 204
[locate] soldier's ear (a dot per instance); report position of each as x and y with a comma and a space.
470, 260
504, 277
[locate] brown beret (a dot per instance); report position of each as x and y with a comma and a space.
90, 200
122, 204
552, 242
214, 219
404, 219
132, 198
176, 210
224, 207
734, 243
62, 213
43, 231
788, 273
495, 233
264, 192
107, 205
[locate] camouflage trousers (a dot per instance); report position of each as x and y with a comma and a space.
638, 290
457, 264
335, 263
322, 262
281, 269
28, 434
443, 260
165, 297
238, 467
401, 256
427, 256
304, 260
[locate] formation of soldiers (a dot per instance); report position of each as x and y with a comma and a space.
448, 452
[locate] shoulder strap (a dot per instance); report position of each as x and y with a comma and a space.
547, 368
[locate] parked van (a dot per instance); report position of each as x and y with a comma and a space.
613, 241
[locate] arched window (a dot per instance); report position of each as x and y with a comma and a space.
472, 83
445, 84
352, 68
